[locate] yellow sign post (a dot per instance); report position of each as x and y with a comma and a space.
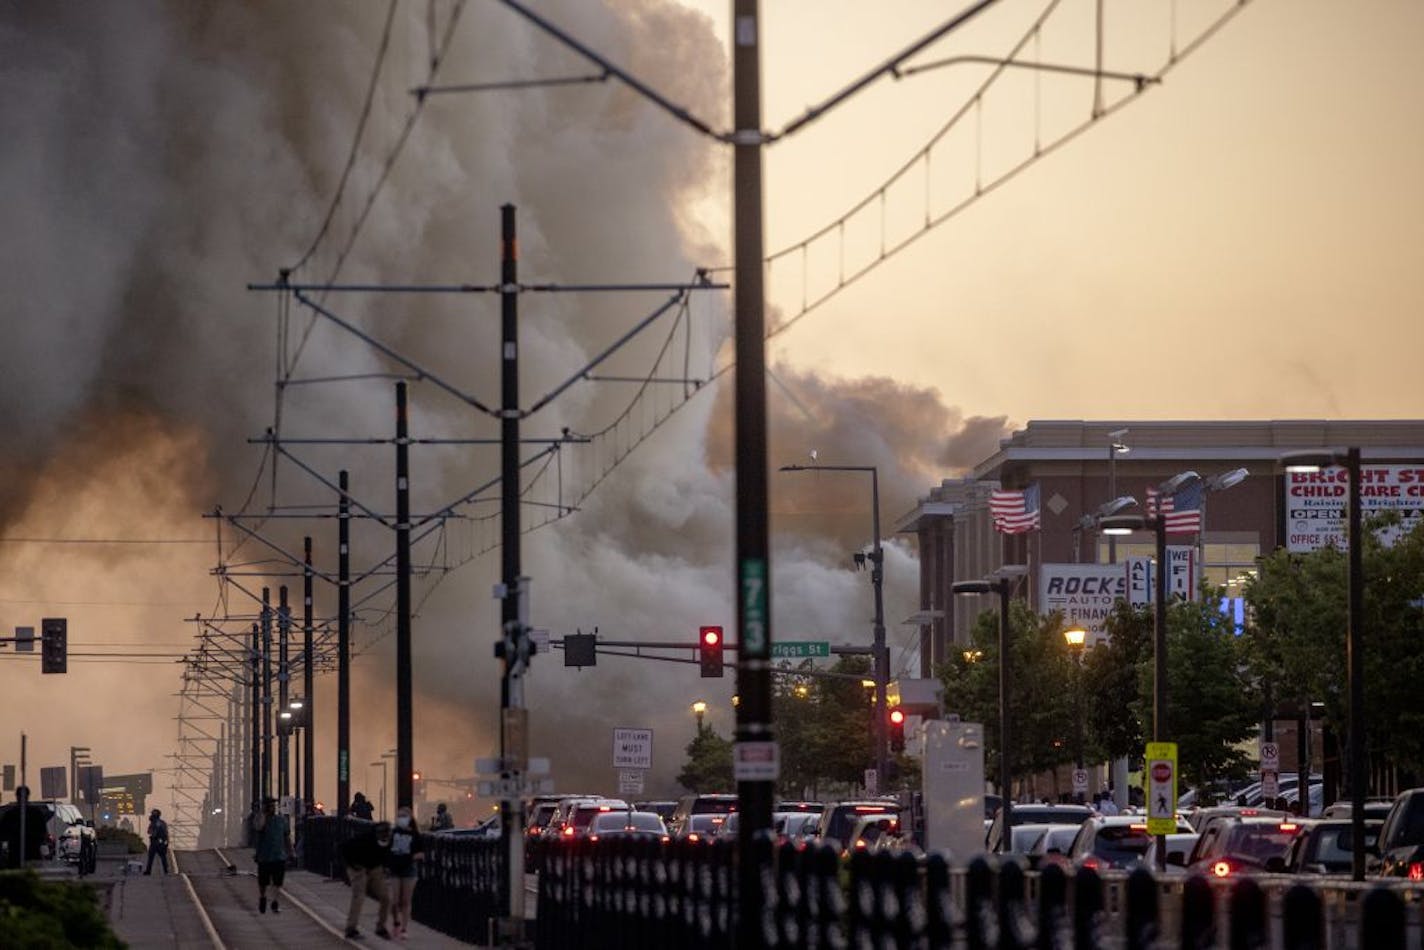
1160, 784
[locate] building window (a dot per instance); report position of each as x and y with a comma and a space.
1224, 564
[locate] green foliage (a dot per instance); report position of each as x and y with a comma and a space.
1042, 699
1295, 643
1111, 685
824, 728
50, 915
709, 763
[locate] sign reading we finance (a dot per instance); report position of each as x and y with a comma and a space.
1315, 503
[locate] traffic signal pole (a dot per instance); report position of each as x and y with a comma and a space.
753, 568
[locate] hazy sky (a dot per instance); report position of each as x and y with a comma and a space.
1243, 241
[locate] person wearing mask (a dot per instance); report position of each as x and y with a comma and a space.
274, 847
157, 841
406, 851
443, 820
366, 855
361, 808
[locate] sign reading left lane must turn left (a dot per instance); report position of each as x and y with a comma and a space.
632, 748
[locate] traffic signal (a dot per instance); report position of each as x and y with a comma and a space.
709, 650
54, 645
897, 729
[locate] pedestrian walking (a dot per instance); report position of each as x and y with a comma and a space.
273, 848
365, 855
361, 808
407, 851
443, 820
157, 841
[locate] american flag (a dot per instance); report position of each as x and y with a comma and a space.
1015, 511
1181, 511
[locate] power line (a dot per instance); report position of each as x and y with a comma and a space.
106, 540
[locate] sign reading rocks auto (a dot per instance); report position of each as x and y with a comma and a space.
1315, 503
1084, 592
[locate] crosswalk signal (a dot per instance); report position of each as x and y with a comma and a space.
897, 729
709, 650
54, 645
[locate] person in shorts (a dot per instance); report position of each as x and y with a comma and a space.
274, 847
406, 851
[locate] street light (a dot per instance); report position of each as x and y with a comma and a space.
1126, 524
699, 709
1092, 520
1210, 484
1310, 463
880, 653
1001, 582
1076, 637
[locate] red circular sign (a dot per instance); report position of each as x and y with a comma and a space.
1161, 772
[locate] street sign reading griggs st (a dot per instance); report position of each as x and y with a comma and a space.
799, 649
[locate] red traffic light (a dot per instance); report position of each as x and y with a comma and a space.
709, 650
711, 636
897, 717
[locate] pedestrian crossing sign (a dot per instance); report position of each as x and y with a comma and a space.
1161, 787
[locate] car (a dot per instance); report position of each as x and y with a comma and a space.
1376, 809
1201, 816
1030, 814
1113, 842
1401, 839
663, 809
582, 813
1053, 844
796, 827
838, 819
877, 832
1179, 849
688, 805
703, 827
1325, 846
611, 824
561, 825
491, 827
1231, 845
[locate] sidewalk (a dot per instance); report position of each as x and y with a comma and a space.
329, 900
153, 911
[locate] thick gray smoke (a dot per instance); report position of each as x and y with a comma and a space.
161, 155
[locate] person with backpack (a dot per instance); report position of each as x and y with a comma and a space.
273, 849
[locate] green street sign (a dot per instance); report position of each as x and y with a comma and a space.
800, 649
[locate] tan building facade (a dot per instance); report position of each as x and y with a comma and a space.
1078, 469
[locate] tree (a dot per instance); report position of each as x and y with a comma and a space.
709, 763
823, 728
1043, 722
1112, 694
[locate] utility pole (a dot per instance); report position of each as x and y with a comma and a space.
343, 648
513, 647
255, 712
882, 652
266, 693
753, 571
284, 633
308, 693
405, 759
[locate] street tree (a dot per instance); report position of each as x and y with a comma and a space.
709, 763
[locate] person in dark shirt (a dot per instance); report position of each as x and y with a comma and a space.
157, 841
406, 851
366, 855
361, 808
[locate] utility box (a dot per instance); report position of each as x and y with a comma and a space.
953, 788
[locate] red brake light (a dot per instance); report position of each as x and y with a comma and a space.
1091, 864
860, 844
1249, 812
694, 836
568, 831
605, 808
1221, 869
897, 716
1416, 871
593, 837
1136, 827
876, 809
1289, 826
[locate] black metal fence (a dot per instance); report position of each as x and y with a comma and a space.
629, 893
461, 878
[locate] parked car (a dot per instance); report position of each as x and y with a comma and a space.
1108, 842
838, 819
1036, 815
1376, 809
703, 827
1401, 840
1231, 845
1326, 846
